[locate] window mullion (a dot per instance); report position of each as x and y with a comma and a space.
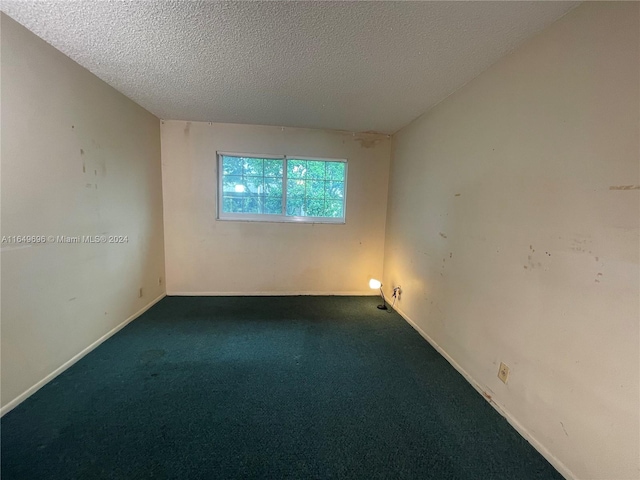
284, 186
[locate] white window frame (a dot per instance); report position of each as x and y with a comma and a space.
265, 217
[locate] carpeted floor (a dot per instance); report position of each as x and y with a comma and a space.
275, 387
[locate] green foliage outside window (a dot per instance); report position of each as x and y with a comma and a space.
314, 188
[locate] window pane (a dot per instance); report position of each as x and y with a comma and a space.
233, 204
253, 184
315, 189
253, 166
231, 165
233, 183
253, 205
320, 186
335, 190
273, 205
296, 188
335, 171
248, 181
334, 208
295, 207
314, 207
316, 170
296, 168
273, 168
273, 187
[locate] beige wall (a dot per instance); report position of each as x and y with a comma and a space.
207, 256
78, 158
512, 225
514, 239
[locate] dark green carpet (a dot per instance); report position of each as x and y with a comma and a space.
275, 387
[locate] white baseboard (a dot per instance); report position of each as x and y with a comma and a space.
557, 464
31, 390
267, 294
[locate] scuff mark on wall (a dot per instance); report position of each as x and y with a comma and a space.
581, 244
531, 262
443, 235
624, 187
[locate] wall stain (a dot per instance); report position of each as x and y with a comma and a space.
457, 195
565, 430
187, 128
531, 263
624, 187
368, 139
443, 235
580, 245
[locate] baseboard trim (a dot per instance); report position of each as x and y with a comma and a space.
31, 390
268, 294
557, 464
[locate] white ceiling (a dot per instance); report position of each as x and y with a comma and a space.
358, 66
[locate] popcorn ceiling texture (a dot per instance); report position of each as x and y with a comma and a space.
358, 66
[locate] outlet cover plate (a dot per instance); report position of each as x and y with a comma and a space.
503, 373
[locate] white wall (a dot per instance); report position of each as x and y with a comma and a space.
207, 256
78, 158
513, 230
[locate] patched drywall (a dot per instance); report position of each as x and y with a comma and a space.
80, 173
209, 256
513, 229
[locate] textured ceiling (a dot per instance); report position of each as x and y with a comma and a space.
356, 66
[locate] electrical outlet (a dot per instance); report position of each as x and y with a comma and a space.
503, 373
396, 292
140, 293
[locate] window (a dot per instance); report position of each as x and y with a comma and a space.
281, 189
